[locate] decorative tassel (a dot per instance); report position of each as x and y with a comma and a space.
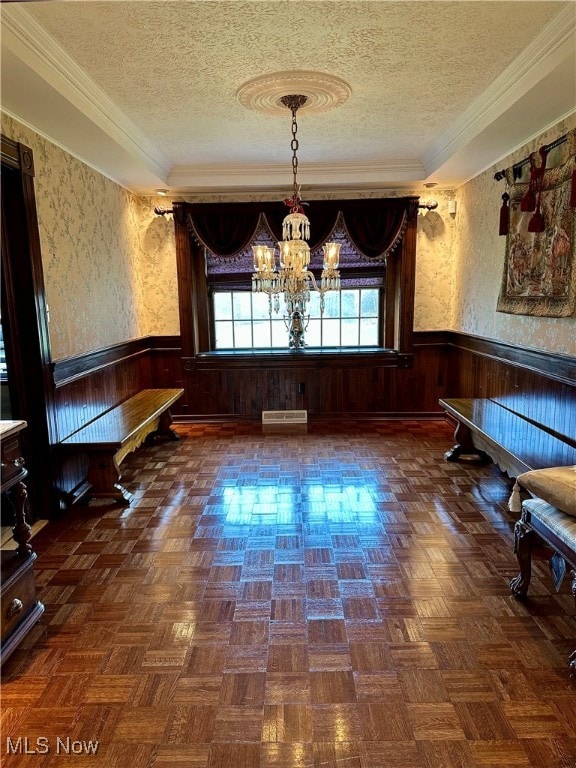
528, 202
504, 215
515, 501
536, 223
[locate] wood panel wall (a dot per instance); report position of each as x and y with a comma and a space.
324, 385
91, 384
539, 385
219, 387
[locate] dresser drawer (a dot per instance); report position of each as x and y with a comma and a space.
18, 592
12, 462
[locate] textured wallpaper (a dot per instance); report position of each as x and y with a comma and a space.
157, 270
434, 297
479, 261
110, 263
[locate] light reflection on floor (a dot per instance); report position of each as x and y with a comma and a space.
347, 496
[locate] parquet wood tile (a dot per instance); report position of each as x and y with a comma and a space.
336, 598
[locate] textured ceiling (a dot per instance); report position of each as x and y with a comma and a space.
173, 70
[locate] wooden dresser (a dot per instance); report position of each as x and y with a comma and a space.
20, 608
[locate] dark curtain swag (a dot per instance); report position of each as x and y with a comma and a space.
375, 226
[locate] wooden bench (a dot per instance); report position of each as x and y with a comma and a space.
486, 429
108, 439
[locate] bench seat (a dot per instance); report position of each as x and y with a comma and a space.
487, 429
108, 439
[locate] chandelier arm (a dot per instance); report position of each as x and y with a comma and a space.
310, 276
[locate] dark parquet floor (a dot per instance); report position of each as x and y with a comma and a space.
334, 599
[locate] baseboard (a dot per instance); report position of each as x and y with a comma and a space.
218, 418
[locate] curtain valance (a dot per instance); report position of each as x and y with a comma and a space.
375, 226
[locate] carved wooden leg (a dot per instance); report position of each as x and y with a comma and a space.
464, 445
104, 477
21, 533
523, 541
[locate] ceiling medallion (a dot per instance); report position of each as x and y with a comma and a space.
264, 94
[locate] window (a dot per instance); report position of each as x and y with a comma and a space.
350, 319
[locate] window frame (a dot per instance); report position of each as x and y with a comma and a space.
213, 292
196, 320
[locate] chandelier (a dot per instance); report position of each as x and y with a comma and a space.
292, 276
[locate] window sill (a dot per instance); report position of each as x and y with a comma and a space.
376, 357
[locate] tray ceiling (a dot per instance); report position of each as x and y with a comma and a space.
147, 91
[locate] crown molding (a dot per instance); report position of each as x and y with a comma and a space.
554, 44
38, 50
215, 177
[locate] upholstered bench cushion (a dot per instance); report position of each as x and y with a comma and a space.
556, 485
559, 523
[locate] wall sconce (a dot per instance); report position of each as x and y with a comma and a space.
168, 212
429, 205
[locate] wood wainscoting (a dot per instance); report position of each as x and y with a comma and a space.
88, 385
326, 384
224, 387
445, 364
540, 386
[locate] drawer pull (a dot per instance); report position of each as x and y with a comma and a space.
14, 607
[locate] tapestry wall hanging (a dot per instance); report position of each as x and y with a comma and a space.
538, 218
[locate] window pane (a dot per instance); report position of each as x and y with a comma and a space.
312, 336
243, 334
369, 302
369, 332
350, 333
350, 319
223, 306
224, 336
331, 333
350, 304
279, 335
260, 306
332, 305
261, 334
314, 304
242, 305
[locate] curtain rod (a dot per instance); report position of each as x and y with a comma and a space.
499, 175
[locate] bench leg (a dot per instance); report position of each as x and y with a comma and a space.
164, 428
104, 476
465, 446
523, 542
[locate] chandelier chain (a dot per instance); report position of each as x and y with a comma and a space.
294, 145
